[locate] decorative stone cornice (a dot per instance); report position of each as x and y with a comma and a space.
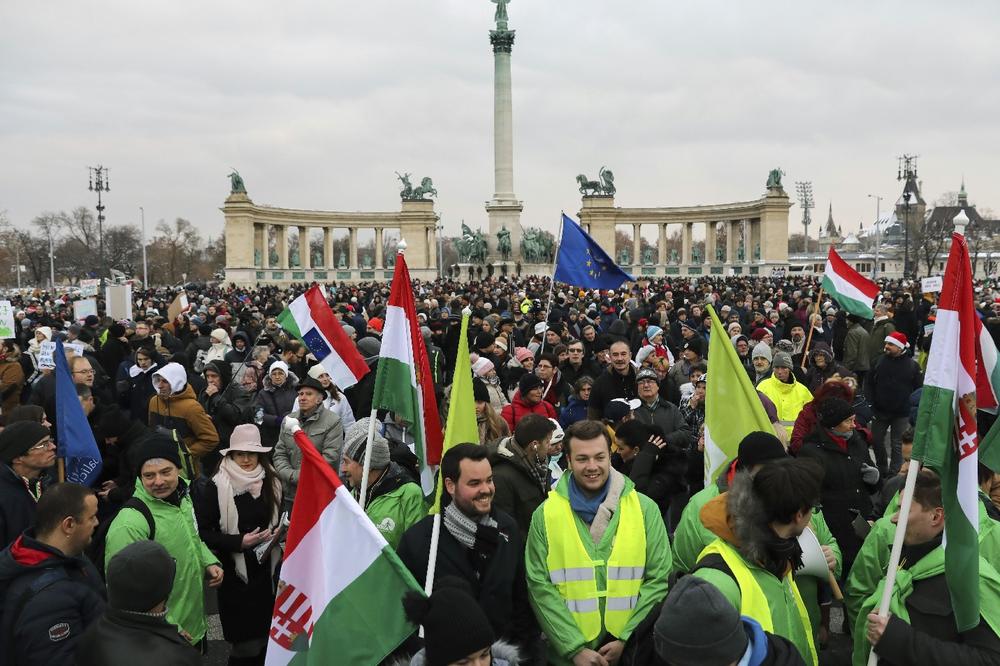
502, 40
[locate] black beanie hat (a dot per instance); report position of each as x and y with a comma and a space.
529, 381
759, 447
834, 410
455, 626
698, 626
140, 576
17, 438
157, 446
112, 423
479, 392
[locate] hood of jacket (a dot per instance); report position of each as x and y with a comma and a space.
175, 375
738, 518
221, 368
291, 382
27, 554
504, 654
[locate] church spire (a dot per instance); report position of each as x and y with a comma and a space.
831, 227
963, 198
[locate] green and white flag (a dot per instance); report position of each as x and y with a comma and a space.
959, 379
732, 407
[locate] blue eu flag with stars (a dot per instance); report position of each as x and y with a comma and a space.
582, 263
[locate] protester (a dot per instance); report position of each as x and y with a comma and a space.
520, 469
578, 403
393, 500
175, 412
784, 390
11, 377
238, 511
335, 400
594, 515
26, 452
134, 628
618, 381
892, 379
275, 401
492, 428
527, 400
49, 591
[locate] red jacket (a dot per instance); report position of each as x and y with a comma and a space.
517, 408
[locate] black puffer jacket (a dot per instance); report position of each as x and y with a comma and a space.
120, 637
892, 380
47, 600
17, 506
276, 403
229, 407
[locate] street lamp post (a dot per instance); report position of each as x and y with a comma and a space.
52, 262
145, 266
99, 183
878, 233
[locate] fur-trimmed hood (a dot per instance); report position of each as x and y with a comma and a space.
504, 654
738, 518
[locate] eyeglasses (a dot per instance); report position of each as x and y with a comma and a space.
83, 372
41, 446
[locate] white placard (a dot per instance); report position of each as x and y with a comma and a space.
119, 300
6, 320
83, 309
89, 287
47, 350
931, 285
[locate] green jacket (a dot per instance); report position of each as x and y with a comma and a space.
394, 512
565, 639
873, 559
177, 531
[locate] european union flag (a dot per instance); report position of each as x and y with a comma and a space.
582, 263
76, 440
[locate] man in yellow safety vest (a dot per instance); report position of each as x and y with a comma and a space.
597, 556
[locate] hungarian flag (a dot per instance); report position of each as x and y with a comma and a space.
310, 319
732, 407
404, 384
461, 426
958, 380
854, 292
341, 586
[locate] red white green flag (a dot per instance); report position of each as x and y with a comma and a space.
404, 384
958, 380
853, 291
341, 587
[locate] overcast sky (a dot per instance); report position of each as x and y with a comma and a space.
317, 103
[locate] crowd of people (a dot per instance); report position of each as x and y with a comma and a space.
578, 529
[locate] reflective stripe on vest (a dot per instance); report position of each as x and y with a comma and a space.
753, 601
574, 573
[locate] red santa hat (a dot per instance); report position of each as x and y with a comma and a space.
897, 338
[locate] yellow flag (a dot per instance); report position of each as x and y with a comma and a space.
461, 427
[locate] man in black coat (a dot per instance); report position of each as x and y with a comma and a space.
26, 452
49, 592
618, 381
133, 628
478, 543
892, 379
520, 469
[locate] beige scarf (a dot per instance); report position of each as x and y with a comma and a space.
231, 480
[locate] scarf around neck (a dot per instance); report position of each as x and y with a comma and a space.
586, 507
231, 480
462, 527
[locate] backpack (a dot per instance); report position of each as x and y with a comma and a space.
96, 551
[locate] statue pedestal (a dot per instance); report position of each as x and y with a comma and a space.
504, 214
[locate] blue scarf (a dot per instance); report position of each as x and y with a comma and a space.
586, 507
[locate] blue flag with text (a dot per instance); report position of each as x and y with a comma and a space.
75, 438
581, 262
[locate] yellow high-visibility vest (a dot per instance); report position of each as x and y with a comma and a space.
753, 601
574, 573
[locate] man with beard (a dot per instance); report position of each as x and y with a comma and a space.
478, 543
757, 523
597, 557
618, 381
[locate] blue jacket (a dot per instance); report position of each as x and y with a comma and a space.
575, 410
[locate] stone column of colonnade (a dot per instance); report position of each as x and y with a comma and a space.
328, 260
378, 247
661, 250
636, 244
710, 241
353, 258
305, 261
260, 245
686, 243
732, 229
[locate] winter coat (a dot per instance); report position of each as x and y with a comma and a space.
565, 637
177, 531
517, 490
181, 412
229, 407
135, 389
11, 383
244, 608
856, 349
807, 420
659, 474
608, 386
876, 339
47, 600
17, 506
112, 353
502, 653
395, 503
497, 580
276, 403
788, 399
517, 408
326, 432
892, 380
844, 495
575, 410
121, 637
666, 417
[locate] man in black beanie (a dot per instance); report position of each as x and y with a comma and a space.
133, 628
699, 627
527, 400
26, 451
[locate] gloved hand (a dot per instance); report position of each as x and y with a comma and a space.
869, 474
291, 424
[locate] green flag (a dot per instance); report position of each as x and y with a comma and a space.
732, 408
461, 426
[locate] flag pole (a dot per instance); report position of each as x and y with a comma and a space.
552, 282
61, 468
805, 350
897, 546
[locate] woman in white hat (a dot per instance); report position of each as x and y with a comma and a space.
238, 510
335, 399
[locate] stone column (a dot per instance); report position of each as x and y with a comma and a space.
260, 245
328, 260
281, 240
503, 126
305, 261
636, 245
731, 241
686, 244
661, 254
432, 246
710, 240
378, 247
353, 258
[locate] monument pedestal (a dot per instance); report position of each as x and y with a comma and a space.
504, 214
